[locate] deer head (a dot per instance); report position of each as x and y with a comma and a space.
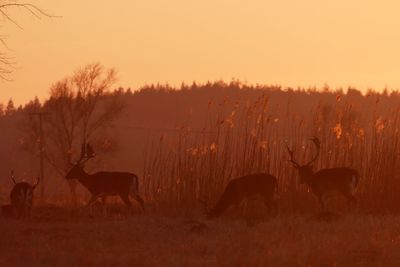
87, 153
21, 197
32, 187
305, 171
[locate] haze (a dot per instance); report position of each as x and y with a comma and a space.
291, 43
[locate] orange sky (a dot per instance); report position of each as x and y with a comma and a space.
306, 43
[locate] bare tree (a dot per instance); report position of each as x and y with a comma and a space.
7, 63
79, 107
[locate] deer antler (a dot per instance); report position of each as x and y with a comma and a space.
12, 177
291, 151
316, 142
87, 153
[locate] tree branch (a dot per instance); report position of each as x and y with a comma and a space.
6, 65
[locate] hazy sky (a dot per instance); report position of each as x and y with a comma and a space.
306, 43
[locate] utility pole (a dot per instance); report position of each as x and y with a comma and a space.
40, 116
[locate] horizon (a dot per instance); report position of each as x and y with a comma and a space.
307, 44
203, 85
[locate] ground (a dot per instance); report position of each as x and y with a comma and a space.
66, 237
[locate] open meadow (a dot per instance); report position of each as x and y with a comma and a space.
62, 236
183, 172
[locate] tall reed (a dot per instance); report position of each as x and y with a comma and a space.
241, 137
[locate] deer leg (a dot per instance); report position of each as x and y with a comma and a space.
272, 205
104, 207
126, 200
15, 212
351, 200
241, 205
140, 200
321, 202
92, 200
27, 212
20, 213
90, 203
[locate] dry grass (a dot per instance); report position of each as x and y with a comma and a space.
61, 236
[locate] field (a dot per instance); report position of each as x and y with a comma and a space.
184, 170
62, 236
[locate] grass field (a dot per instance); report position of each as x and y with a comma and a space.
58, 236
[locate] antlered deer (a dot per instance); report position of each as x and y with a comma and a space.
238, 189
342, 180
21, 197
103, 184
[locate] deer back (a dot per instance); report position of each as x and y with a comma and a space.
255, 184
342, 179
109, 182
244, 187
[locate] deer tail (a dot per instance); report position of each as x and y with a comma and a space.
354, 180
276, 185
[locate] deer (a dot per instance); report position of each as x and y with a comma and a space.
342, 180
103, 184
241, 188
21, 197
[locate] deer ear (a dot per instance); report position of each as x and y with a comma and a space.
12, 177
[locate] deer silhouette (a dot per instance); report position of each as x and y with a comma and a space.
241, 188
21, 197
342, 180
103, 184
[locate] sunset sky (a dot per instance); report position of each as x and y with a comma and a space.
305, 43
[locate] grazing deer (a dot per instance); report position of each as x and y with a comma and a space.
21, 197
341, 180
238, 189
103, 184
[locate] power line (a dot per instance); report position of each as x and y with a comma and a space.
138, 127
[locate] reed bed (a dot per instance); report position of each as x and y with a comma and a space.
242, 136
